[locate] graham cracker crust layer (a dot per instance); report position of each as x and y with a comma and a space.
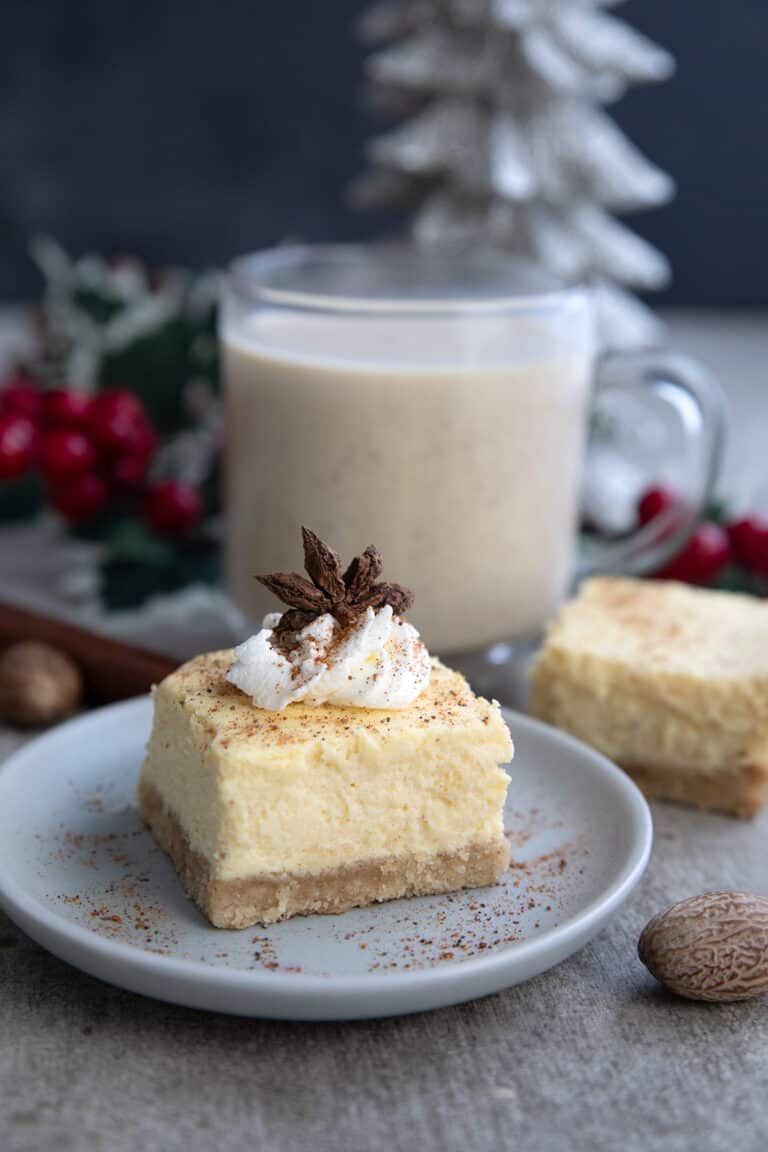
738, 792
265, 899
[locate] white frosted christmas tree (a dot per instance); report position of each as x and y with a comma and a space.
503, 139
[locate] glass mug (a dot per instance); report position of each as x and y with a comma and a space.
436, 406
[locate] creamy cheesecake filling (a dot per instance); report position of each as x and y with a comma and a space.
286, 797
632, 722
239, 902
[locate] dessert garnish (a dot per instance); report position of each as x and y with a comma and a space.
341, 641
344, 595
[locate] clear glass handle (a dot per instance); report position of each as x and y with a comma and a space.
698, 401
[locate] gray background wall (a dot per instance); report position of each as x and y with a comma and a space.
190, 131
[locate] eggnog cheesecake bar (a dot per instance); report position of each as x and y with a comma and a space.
327, 762
669, 681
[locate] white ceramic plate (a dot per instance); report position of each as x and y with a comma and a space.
81, 875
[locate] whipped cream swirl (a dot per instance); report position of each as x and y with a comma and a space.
379, 663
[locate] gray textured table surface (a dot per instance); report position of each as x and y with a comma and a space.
592, 1056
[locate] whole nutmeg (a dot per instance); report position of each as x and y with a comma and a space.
710, 947
38, 684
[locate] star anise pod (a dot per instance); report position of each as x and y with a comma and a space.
345, 595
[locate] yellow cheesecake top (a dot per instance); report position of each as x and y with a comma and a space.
662, 628
201, 688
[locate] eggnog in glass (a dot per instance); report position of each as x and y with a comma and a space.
432, 405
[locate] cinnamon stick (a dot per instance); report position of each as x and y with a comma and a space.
112, 670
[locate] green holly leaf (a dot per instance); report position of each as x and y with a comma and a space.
101, 528
132, 542
717, 512
212, 488
734, 578
99, 306
138, 565
22, 498
156, 367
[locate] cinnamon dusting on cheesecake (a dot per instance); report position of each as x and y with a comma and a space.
202, 689
345, 595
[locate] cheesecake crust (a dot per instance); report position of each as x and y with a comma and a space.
741, 791
265, 899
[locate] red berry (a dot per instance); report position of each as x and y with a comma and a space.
117, 421
172, 508
18, 445
704, 556
653, 502
80, 498
749, 540
67, 453
21, 396
66, 408
128, 472
144, 441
